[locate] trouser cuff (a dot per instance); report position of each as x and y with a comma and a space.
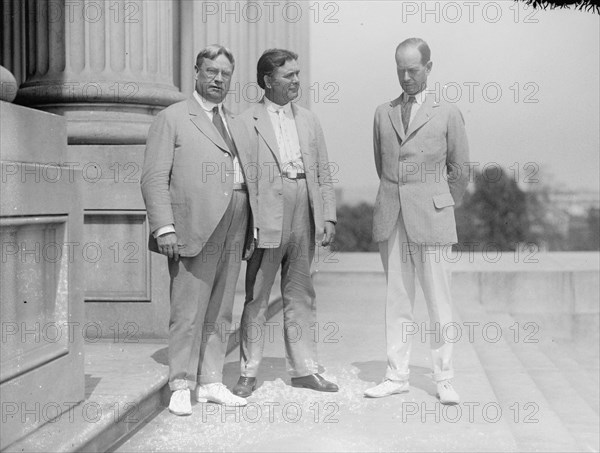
395, 375
181, 384
308, 368
443, 376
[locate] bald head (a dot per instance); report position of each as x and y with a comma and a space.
420, 45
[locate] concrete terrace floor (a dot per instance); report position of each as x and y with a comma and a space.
516, 396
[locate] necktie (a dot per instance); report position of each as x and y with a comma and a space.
406, 108
218, 122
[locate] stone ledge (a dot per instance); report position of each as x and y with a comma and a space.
123, 389
522, 261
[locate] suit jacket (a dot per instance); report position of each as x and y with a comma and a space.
421, 172
187, 179
268, 180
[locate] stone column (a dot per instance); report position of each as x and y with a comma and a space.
106, 65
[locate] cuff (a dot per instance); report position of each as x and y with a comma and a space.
181, 384
397, 375
164, 230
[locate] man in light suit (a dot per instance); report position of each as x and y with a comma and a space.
420, 154
296, 205
198, 209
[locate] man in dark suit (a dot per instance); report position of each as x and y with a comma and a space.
198, 209
420, 154
295, 206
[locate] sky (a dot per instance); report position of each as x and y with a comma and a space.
526, 82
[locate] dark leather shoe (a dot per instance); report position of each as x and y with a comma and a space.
314, 382
245, 386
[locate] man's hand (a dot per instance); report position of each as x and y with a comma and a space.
329, 235
167, 245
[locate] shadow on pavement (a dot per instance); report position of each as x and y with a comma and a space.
161, 356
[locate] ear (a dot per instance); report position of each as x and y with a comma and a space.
267, 81
429, 65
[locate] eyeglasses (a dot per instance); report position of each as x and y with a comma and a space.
214, 72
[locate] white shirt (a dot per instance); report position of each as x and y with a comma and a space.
419, 100
238, 177
284, 126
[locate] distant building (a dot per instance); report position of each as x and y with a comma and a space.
566, 220
575, 203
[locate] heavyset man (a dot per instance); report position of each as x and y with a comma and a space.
198, 218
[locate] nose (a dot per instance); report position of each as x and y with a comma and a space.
405, 76
295, 79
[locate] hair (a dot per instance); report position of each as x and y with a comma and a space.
269, 61
213, 51
421, 46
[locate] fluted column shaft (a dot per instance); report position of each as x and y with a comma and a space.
106, 65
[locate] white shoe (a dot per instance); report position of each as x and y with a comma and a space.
387, 388
218, 393
446, 393
180, 403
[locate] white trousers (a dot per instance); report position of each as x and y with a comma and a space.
401, 261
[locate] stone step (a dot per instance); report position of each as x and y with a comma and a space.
123, 389
533, 421
582, 374
574, 410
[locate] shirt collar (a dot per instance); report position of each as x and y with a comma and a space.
272, 107
419, 97
207, 105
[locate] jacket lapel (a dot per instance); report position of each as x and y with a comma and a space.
424, 114
264, 126
394, 114
201, 121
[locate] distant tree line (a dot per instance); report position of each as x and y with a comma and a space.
494, 211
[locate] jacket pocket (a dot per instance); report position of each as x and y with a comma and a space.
443, 200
